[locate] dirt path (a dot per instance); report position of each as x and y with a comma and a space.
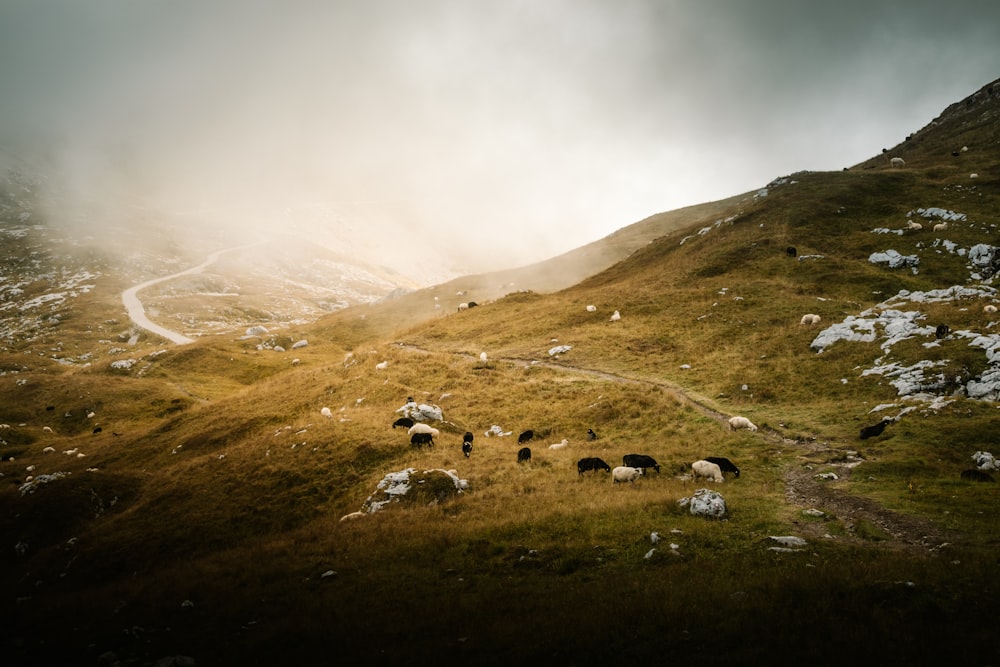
803, 488
137, 313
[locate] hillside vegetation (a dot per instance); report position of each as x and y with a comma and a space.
189, 503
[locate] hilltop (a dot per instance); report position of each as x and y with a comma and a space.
189, 502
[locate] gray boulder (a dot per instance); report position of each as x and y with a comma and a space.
705, 502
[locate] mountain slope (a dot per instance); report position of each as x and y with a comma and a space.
203, 518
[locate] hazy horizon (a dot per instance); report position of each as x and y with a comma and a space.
482, 135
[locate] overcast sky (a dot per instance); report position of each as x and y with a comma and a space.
516, 129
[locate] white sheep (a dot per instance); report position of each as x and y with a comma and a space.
326, 412
989, 308
897, 162
382, 365
625, 474
591, 308
915, 226
47, 429
483, 358
708, 469
940, 227
973, 175
421, 427
463, 306
615, 316
736, 423
809, 318
559, 445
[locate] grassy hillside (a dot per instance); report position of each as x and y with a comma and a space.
190, 504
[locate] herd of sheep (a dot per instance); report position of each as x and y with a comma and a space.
633, 465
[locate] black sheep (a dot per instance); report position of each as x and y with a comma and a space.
791, 252
591, 435
641, 461
419, 439
875, 429
942, 331
525, 437
405, 422
725, 465
591, 463
468, 437
524, 454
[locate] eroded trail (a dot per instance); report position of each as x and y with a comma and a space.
803, 489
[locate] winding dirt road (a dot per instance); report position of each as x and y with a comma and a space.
137, 313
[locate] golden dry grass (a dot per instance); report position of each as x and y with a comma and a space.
226, 484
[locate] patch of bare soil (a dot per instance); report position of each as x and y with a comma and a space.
806, 489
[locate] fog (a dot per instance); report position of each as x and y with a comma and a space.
488, 133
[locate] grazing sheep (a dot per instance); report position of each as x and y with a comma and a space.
591, 463
640, 461
382, 365
615, 316
420, 427
326, 412
47, 429
467, 448
940, 227
468, 437
559, 445
897, 162
97, 429
976, 475
875, 429
915, 226
942, 331
989, 308
591, 435
810, 318
591, 308
736, 423
708, 469
524, 454
463, 306
791, 251
473, 304
725, 465
405, 422
483, 358
625, 474
525, 436
420, 439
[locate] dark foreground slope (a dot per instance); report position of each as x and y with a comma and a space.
203, 518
